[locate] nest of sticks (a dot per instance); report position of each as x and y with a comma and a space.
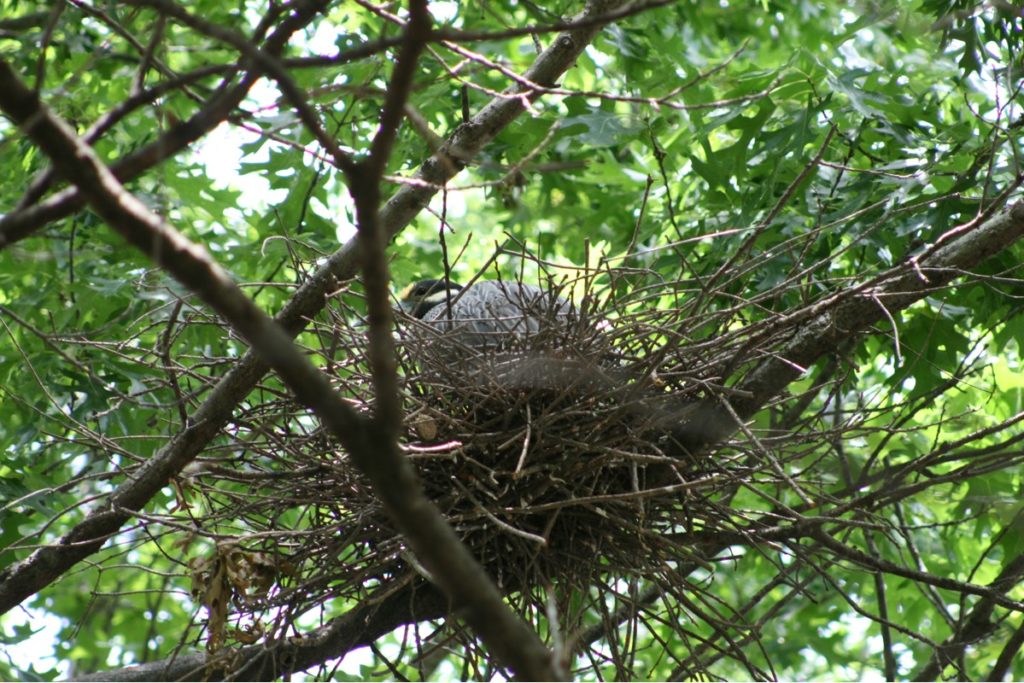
561, 461
553, 456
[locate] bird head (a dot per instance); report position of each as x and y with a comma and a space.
421, 296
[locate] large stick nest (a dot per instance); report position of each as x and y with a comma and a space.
562, 460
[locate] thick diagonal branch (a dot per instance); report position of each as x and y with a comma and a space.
822, 327
373, 449
45, 565
384, 611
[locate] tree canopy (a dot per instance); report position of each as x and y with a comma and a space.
790, 231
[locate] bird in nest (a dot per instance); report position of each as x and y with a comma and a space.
486, 315
521, 337
510, 334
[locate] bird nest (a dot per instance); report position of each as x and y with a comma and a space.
563, 460
552, 456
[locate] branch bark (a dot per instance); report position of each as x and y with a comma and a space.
376, 616
823, 326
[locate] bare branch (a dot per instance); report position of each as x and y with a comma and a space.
387, 609
827, 323
364, 185
268, 64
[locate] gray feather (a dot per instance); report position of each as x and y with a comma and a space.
492, 314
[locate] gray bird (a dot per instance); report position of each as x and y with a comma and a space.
492, 333
523, 337
487, 315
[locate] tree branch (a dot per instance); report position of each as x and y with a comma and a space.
364, 186
822, 327
1007, 656
976, 625
268, 64
20, 224
376, 616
